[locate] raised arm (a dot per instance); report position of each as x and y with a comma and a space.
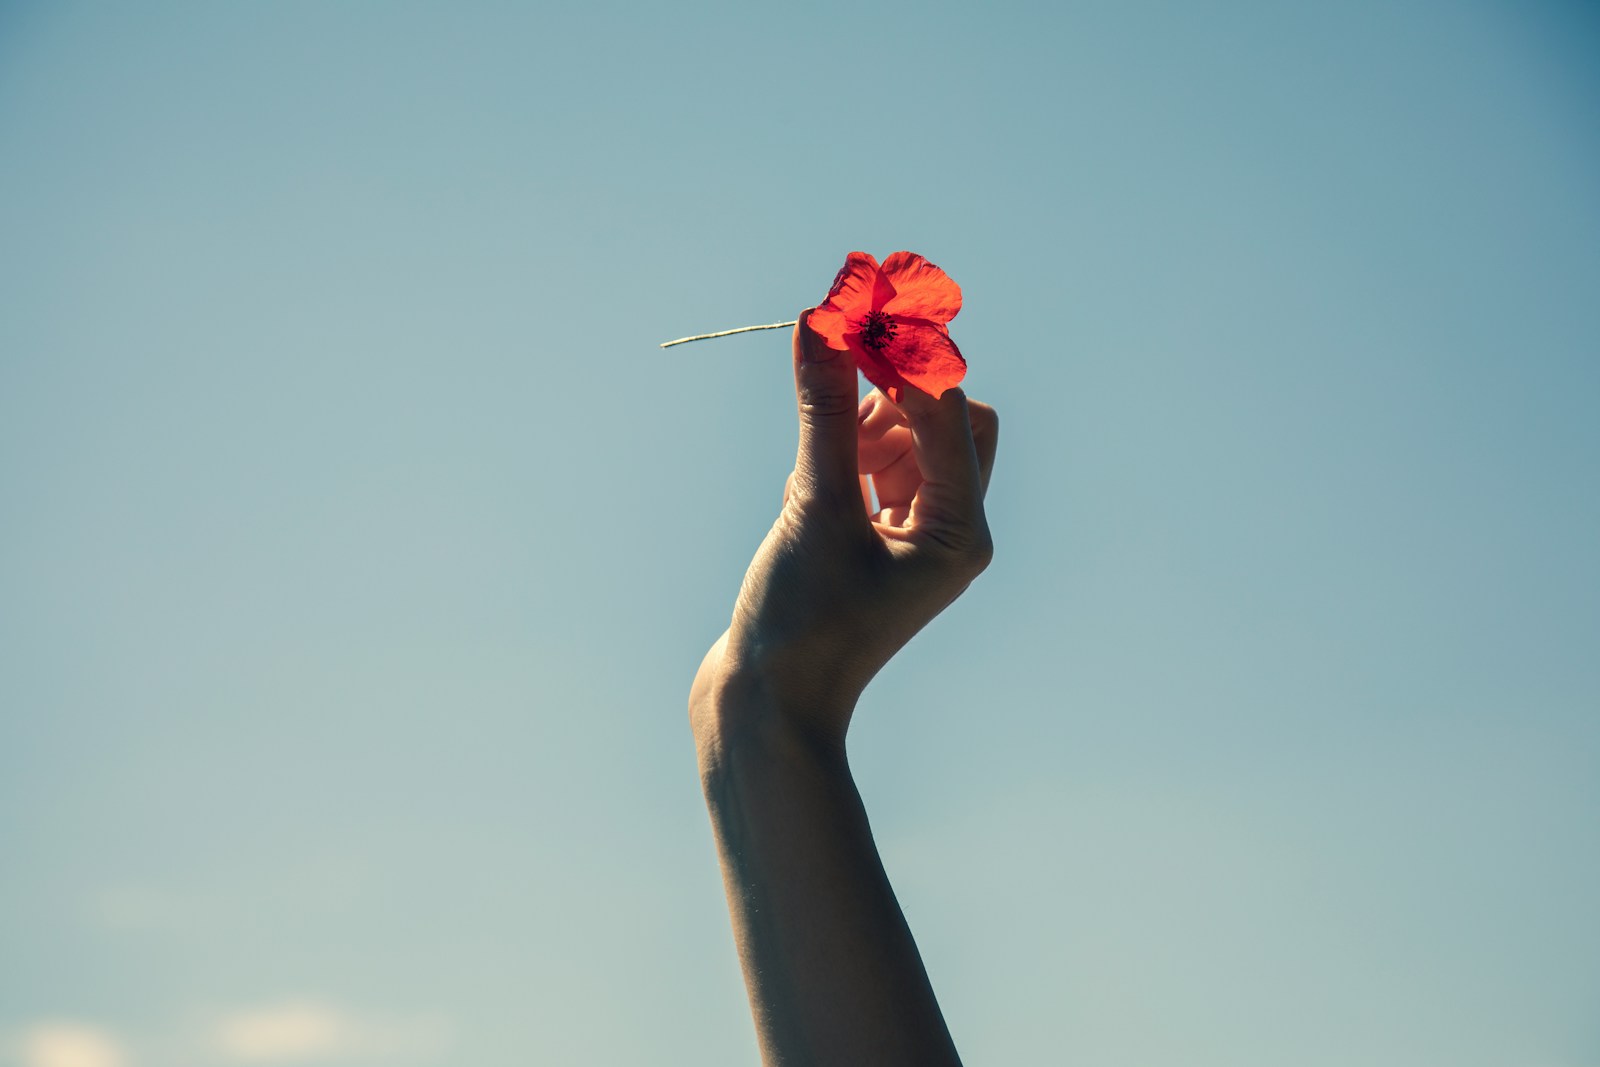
831, 967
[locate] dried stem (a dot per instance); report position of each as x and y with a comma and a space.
728, 333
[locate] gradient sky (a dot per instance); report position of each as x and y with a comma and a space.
357, 544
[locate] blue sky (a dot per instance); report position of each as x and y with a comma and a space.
357, 544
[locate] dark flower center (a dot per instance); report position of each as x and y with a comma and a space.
877, 330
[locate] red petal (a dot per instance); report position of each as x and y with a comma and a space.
923, 354
848, 301
853, 286
831, 325
921, 290
876, 369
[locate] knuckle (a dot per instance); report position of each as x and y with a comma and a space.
966, 551
828, 401
821, 508
978, 553
985, 420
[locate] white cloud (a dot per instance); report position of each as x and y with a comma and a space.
284, 1032
305, 1029
61, 1044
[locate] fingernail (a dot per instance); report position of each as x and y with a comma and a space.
812, 347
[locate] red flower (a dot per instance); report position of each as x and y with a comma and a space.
891, 318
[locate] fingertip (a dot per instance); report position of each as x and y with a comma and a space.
809, 345
918, 405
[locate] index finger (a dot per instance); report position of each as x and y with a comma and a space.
946, 454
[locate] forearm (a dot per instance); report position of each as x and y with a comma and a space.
833, 973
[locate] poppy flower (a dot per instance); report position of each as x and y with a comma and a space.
892, 319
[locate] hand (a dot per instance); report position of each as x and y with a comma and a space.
833, 591
832, 970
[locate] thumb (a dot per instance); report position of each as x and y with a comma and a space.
825, 385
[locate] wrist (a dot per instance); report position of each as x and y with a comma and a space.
746, 714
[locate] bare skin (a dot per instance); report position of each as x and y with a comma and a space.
833, 593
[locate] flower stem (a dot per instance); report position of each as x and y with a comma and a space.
728, 333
